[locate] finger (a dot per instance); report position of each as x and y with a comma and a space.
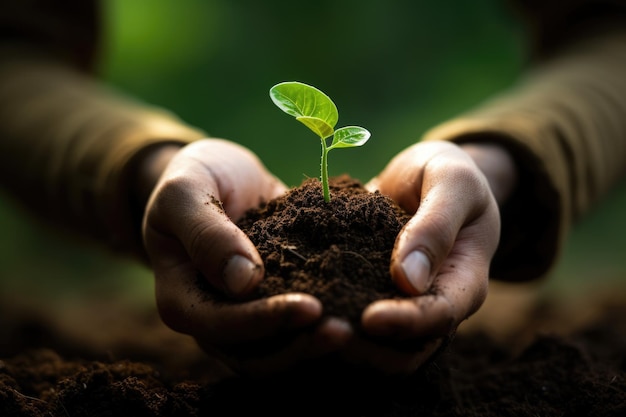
387, 359
423, 316
188, 305
457, 292
238, 177
198, 230
223, 253
327, 337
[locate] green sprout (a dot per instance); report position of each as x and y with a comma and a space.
317, 111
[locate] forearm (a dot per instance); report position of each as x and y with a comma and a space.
565, 129
69, 146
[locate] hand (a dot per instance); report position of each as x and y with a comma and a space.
204, 265
441, 257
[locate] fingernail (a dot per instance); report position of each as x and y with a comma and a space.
239, 273
416, 267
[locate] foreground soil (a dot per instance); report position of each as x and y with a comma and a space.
143, 369
99, 358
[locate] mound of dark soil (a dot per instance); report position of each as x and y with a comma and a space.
338, 251
579, 374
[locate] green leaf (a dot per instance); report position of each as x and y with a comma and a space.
315, 110
319, 126
302, 100
349, 137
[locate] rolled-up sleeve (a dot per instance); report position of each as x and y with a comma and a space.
565, 124
66, 140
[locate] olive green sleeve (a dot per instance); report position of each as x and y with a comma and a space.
66, 142
565, 124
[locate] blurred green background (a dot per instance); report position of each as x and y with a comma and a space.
396, 67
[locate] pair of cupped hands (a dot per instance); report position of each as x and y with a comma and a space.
440, 259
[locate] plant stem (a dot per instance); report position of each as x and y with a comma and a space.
324, 169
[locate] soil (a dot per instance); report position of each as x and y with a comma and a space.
338, 251
103, 359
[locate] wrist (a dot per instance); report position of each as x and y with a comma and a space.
498, 166
148, 167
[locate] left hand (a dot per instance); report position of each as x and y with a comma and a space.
205, 266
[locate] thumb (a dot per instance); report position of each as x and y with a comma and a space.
187, 230
223, 253
426, 241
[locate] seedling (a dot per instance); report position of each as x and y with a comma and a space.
317, 111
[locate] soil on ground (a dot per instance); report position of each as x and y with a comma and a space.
105, 359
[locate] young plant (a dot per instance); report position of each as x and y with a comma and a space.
317, 111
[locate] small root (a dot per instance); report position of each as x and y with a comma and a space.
292, 249
358, 255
